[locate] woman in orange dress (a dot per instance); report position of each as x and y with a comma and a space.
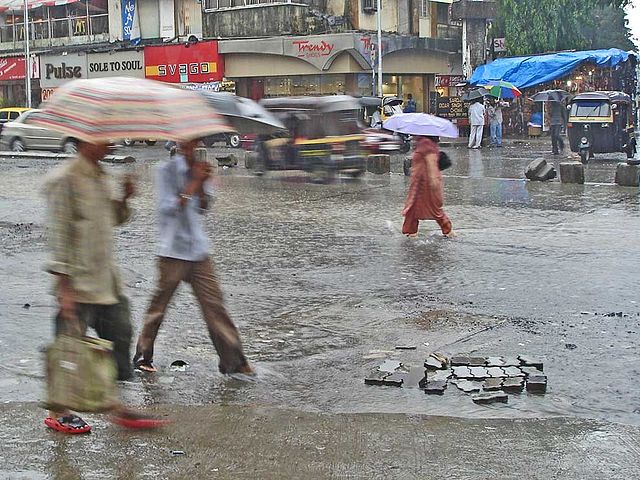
426, 190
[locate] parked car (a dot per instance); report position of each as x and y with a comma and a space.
10, 114
231, 139
19, 136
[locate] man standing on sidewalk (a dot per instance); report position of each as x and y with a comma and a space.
81, 218
476, 120
184, 194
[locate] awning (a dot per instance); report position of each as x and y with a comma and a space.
525, 72
18, 5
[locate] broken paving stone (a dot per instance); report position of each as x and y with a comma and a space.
513, 385
462, 372
513, 372
528, 361
406, 347
479, 372
530, 371
492, 384
394, 380
433, 363
492, 397
459, 361
477, 361
468, 386
495, 372
439, 356
511, 362
495, 362
436, 375
435, 387
570, 346
389, 366
537, 384
376, 377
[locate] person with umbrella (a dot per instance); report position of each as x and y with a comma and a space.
494, 112
81, 218
556, 99
425, 197
184, 193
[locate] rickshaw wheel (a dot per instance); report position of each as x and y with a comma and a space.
584, 156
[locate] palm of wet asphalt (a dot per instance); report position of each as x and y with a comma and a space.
317, 277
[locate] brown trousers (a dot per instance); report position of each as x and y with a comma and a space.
410, 225
201, 276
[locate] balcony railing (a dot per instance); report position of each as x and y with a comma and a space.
56, 28
211, 5
446, 31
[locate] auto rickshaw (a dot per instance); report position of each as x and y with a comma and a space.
324, 137
601, 122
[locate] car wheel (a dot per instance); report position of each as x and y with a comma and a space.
70, 146
127, 142
233, 140
17, 145
151, 143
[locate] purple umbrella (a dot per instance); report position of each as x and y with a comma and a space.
421, 124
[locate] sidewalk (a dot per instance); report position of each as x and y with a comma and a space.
250, 442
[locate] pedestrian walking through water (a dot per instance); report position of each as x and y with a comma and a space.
558, 120
81, 218
426, 189
184, 193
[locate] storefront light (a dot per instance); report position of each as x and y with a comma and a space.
569, 83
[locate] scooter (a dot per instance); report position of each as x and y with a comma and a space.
406, 142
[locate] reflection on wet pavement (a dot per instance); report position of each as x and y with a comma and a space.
317, 278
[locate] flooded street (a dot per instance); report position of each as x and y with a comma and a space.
320, 281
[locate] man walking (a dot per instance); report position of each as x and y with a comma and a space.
81, 218
557, 121
184, 194
476, 120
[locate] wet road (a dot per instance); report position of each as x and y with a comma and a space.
319, 280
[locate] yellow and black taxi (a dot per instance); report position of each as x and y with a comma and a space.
601, 122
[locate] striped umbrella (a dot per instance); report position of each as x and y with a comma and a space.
105, 109
502, 89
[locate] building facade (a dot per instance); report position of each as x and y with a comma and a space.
257, 48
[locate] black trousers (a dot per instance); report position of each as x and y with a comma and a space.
556, 139
111, 322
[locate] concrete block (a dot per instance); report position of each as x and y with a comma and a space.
486, 398
628, 175
572, 172
492, 384
376, 377
528, 361
537, 384
468, 386
230, 160
539, 170
436, 387
379, 164
513, 385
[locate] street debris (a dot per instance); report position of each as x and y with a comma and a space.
492, 379
179, 366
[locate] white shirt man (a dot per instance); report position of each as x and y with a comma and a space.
476, 119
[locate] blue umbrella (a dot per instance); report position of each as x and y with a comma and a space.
421, 124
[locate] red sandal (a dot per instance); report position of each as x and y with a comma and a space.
70, 424
137, 421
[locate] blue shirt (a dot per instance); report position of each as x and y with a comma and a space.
181, 232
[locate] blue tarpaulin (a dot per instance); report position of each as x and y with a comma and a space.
525, 72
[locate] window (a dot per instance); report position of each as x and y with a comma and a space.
369, 5
424, 8
587, 108
442, 12
13, 115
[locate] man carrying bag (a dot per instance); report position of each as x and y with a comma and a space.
81, 373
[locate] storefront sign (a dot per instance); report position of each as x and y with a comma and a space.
46, 93
12, 68
130, 21
448, 80
499, 45
308, 49
58, 69
197, 63
118, 64
452, 108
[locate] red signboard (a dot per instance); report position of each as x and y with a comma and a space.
12, 68
196, 63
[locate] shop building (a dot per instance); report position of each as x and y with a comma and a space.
335, 64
